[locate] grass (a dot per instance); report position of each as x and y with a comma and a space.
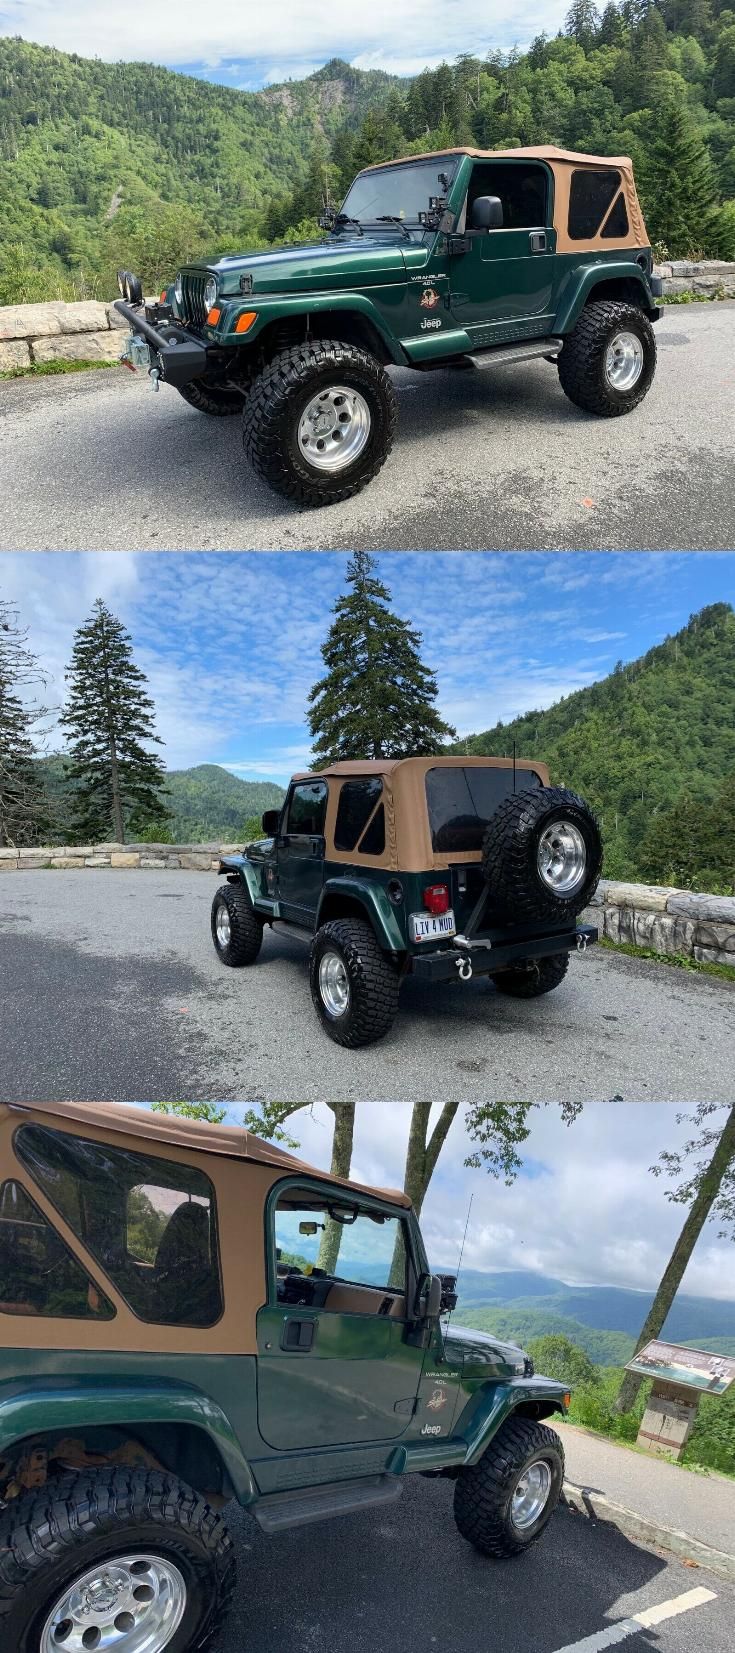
695, 298
679, 961
44, 370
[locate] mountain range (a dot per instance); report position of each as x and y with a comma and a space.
207, 802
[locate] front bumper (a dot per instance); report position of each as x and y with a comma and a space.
485, 958
176, 355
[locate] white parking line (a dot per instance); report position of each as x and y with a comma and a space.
649, 1616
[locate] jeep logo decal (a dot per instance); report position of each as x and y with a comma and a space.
435, 322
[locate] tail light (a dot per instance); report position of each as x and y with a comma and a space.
436, 898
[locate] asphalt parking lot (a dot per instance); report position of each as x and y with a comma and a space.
111, 988
495, 459
403, 1578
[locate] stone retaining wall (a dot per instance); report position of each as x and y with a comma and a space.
649, 915
89, 331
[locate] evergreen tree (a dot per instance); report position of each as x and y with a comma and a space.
24, 804
377, 697
677, 183
611, 26
582, 23
108, 716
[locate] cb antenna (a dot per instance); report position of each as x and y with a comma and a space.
461, 1252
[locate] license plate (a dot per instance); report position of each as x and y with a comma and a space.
431, 926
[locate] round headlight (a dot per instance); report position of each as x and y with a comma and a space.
210, 294
562, 857
179, 289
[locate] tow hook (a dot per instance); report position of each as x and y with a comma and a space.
154, 376
582, 944
464, 967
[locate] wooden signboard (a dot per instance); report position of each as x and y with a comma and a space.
680, 1377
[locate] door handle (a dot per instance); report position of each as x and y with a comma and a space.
298, 1335
537, 241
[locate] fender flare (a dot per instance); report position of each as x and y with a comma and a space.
42, 1410
313, 304
243, 867
374, 900
492, 1405
574, 296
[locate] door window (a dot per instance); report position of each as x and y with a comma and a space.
38, 1274
307, 807
522, 190
324, 1244
148, 1222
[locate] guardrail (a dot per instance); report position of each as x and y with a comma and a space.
89, 331
687, 922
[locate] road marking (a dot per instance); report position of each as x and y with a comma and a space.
644, 1620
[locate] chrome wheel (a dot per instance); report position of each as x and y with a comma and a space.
334, 428
530, 1496
133, 1604
334, 984
624, 361
223, 926
562, 857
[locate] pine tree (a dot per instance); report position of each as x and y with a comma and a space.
377, 698
678, 184
611, 26
25, 812
582, 23
108, 716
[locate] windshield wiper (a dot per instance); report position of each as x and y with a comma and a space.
344, 218
390, 218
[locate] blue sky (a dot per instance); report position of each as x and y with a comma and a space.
585, 1207
247, 46
230, 641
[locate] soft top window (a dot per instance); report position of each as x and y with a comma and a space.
148, 1222
461, 802
38, 1274
336, 1239
357, 801
590, 196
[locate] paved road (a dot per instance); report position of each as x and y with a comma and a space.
111, 988
701, 1505
498, 459
403, 1578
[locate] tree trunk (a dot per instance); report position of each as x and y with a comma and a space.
671, 1280
422, 1155
344, 1131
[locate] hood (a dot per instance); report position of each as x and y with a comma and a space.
481, 1354
312, 266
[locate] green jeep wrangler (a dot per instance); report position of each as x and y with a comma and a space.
441, 868
188, 1316
463, 258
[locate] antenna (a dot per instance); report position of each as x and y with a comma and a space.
461, 1255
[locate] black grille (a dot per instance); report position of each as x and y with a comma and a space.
193, 298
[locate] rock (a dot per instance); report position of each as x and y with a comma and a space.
96, 860
720, 909
66, 863
652, 896
35, 858
88, 316
196, 863
8, 866
77, 347
681, 267
29, 321
710, 955
115, 320
124, 858
10, 854
151, 861
14, 353
720, 938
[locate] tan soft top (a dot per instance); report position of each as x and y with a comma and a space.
229, 1141
536, 152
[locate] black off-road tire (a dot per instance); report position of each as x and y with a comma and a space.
509, 851
52, 1536
483, 1492
218, 400
581, 362
373, 983
542, 977
246, 928
277, 400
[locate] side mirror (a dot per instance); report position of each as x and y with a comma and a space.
487, 213
449, 1295
270, 822
428, 1296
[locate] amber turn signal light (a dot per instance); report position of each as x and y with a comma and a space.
567, 1400
245, 321
213, 318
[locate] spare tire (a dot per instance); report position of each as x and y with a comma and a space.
542, 855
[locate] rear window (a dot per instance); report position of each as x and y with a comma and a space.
590, 196
38, 1274
617, 223
461, 802
148, 1222
357, 801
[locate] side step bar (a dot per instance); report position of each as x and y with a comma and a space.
280, 1510
502, 353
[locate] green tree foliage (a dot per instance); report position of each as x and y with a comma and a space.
25, 812
678, 182
377, 697
210, 1113
636, 742
692, 845
557, 1357
108, 717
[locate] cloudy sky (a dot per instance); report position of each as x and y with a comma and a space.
585, 1207
230, 641
249, 46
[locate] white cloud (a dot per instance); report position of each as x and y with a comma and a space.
381, 35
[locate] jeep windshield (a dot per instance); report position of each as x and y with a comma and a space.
398, 192
461, 802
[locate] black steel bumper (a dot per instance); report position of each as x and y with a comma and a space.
179, 356
485, 959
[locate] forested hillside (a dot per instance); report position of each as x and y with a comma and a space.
104, 162
206, 803
652, 748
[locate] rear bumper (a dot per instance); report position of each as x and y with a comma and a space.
178, 355
487, 959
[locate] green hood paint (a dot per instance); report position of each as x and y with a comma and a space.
337, 263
